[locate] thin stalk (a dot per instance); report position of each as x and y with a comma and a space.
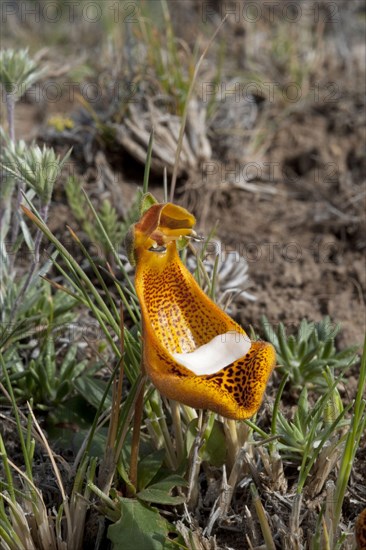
231, 440
357, 425
110, 244
189, 413
17, 219
28, 466
212, 287
326, 540
139, 409
185, 111
134, 313
103, 497
178, 431
10, 107
125, 419
56, 472
7, 471
117, 387
30, 443
263, 521
78, 273
192, 496
94, 268
255, 428
34, 264
328, 520
145, 185
295, 521
273, 446
110, 458
165, 184
99, 419
158, 416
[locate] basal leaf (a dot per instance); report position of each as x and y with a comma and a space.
139, 527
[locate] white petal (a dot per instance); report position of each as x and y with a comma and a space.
217, 354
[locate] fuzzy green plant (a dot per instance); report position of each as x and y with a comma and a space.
28, 344
18, 71
300, 439
38, 170
37, 167
322, 437
304, 356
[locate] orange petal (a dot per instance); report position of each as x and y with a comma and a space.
161, 224
178, 317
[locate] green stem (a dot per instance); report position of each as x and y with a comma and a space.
265, 528
232, 441
7, 471
10, 108
33, 267
357, 425
28, 466
139, 409
178, 432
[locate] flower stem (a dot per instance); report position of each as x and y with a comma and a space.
178, 431
232, 441
195, 459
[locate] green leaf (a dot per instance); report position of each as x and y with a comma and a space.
98, 445
159, 492
74, 412
139, 527
148, 467
92, 390
63, 390
158, 495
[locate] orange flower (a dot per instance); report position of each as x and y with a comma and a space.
192, 351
